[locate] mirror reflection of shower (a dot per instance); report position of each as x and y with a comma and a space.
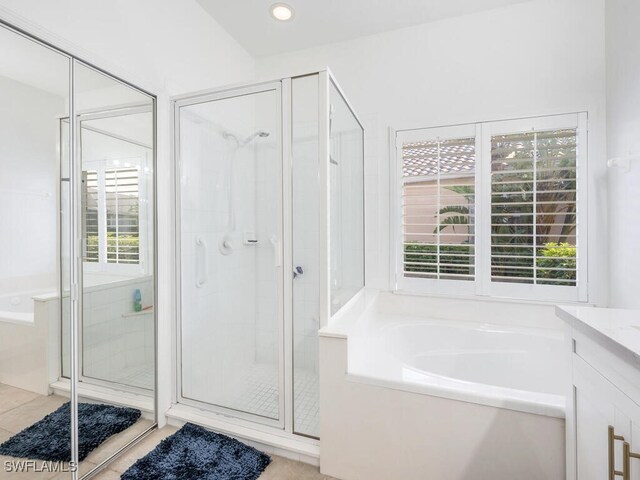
226, 244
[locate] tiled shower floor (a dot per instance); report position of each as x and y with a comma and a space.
306, 403
259, 395
139, 377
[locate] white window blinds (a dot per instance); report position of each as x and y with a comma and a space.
123, 232
494, 209
111, 220
438, 203
534, 208
90, 216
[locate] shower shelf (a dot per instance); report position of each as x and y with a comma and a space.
137, 314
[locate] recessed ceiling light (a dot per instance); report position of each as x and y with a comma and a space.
281, 12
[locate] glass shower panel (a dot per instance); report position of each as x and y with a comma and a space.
231, 252
347, 201
306, 253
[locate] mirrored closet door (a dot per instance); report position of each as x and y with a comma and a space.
77, 270
34, 94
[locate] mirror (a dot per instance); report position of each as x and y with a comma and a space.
113, 211
34, 405
116, 337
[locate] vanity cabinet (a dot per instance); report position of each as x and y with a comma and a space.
603, 407
605, 418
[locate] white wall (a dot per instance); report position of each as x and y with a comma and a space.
28, 184
534, 58
165, 46
623, 137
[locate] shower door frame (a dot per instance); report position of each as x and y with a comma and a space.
96, 114
234, 420
284, 324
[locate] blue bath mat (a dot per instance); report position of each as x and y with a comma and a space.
50, 438
193, 453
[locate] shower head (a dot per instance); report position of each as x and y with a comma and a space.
259, 133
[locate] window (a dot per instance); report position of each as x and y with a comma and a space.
90, 216
438, 204
123, 239
111, 220
493, 209
533, 207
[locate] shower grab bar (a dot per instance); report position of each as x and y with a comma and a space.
201, 263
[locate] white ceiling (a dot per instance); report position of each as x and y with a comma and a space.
319, 22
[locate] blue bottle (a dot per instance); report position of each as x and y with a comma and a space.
137, 300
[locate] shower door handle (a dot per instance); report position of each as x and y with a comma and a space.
201, 262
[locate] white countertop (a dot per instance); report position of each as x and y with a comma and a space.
616, 329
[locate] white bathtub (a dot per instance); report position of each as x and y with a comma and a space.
424, 387
18, 307
515, 367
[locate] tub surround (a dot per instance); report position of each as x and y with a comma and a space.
438, 354
30, 336
29, 350
437, 433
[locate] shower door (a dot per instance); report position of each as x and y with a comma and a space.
229, 161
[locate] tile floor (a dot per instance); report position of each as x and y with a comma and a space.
258, 394
19, 409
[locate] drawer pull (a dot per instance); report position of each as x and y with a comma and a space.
612, 456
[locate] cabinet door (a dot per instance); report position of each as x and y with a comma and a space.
594, 413
599, 404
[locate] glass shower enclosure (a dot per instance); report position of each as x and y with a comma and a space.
270, 242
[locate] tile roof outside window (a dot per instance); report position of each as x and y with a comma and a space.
421, 158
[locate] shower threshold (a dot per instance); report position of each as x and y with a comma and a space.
112, 396
265, 438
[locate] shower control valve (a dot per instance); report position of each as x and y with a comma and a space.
298, 271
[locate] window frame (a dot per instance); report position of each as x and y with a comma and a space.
431, 285
483, 286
